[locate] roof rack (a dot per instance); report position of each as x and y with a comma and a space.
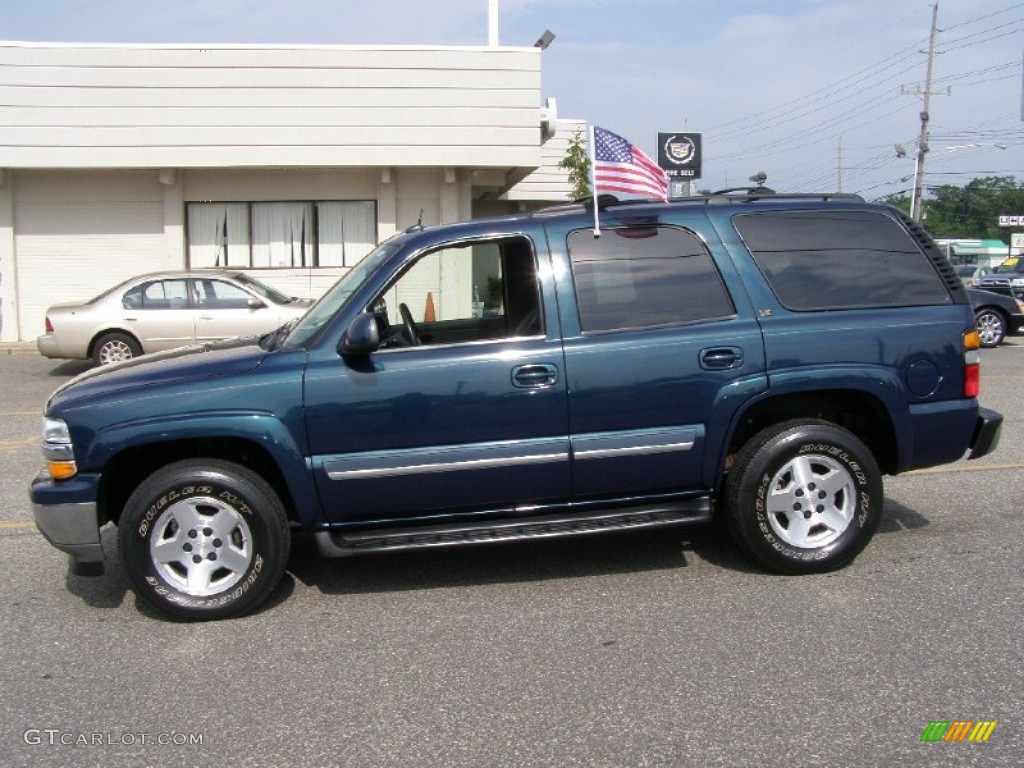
732, 195
761, 193
747, 190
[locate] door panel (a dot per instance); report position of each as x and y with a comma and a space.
222, 311
639, 424
439, 422
654, 347
159, 315
424, 430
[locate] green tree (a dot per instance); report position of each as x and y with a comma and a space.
974, 210
577, 163
970, 211
900, 201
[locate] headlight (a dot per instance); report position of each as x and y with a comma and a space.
55, 431
57, 449
1017, 281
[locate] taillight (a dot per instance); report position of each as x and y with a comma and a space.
972, 364
49, 326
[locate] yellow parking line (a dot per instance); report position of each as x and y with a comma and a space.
9, 445
972, 468
22, 413
16, 526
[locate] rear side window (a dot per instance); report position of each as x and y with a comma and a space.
642, 277
158, 294
840, 260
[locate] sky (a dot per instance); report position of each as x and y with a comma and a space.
817, 94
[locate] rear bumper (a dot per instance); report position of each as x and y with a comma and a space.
986, 433
48, 346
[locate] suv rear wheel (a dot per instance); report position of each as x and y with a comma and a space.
204, 540
804, 497
114, 347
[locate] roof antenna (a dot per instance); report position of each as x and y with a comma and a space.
418, 225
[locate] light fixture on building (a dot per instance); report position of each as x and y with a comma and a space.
544, 40
548, 119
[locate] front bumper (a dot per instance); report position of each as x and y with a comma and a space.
70, 525
986, 433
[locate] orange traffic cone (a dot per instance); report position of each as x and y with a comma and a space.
429, 313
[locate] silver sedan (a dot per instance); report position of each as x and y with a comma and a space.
165, 310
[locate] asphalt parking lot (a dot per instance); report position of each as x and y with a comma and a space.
655, 649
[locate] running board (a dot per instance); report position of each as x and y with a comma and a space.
347, 543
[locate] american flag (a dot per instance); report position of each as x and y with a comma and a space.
621, 167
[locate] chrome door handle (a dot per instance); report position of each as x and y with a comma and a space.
721, 358
534, 376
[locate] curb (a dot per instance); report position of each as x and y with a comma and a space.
18, 348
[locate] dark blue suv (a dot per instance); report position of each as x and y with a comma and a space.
762, 359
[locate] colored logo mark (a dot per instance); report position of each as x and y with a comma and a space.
959, 730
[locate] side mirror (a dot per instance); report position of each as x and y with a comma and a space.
361, 337
254, 303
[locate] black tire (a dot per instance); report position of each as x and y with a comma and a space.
804, 496
991, 325
204, 540
114, 347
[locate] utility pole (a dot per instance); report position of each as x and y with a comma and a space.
839, 165
916, 200
492, 23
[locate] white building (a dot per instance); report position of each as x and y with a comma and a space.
291, 162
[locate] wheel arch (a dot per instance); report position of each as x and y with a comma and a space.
126, 470
91, 349
861, 413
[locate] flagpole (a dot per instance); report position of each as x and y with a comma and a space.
593, 183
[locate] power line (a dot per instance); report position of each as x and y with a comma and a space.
994, 68
983, 18
895, 58
1007, 33
843, 105
827, 93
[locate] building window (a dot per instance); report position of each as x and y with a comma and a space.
280, 235
218, 234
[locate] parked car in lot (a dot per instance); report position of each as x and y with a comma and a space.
969, 274
995, 315
766, 360
164, 310
1007, 279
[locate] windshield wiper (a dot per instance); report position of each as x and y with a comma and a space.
274, 339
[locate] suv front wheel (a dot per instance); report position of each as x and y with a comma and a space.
804, 497
204, 540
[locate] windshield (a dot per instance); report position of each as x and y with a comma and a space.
329, 304
263, 289
1010, 265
